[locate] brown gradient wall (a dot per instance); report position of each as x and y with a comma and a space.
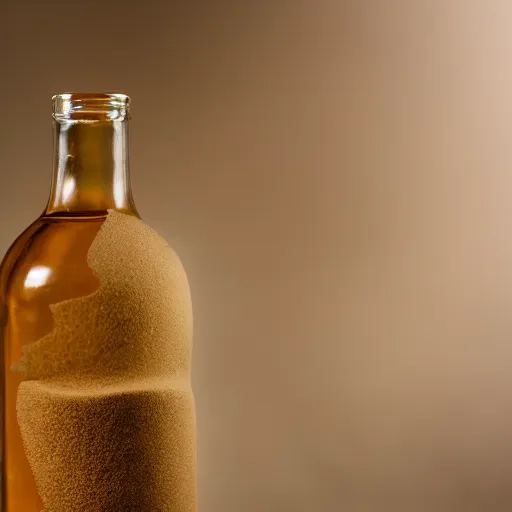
336, 176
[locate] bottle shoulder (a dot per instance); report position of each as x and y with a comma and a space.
48, 261
51, 260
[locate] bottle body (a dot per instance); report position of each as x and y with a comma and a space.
96, 324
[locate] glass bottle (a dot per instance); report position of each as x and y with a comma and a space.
48, 265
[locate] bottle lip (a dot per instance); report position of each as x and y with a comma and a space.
91, 106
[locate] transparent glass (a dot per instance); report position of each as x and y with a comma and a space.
48, 262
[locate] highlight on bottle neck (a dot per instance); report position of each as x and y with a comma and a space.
91, 106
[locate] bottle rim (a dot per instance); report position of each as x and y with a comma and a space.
91, 106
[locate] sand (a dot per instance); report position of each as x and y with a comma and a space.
106, 411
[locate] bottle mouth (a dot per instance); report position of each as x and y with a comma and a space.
87, 106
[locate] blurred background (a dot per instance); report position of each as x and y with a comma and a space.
336, 177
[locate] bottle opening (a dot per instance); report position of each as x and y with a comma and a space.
88, 106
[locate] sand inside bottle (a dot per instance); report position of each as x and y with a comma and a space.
106, 410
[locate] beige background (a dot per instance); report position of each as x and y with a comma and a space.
336, 176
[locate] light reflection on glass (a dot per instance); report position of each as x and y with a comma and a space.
114, 114
37, 276
68, 188
119, 151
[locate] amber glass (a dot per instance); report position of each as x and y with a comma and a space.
48, 262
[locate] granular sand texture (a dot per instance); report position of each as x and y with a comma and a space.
106, 411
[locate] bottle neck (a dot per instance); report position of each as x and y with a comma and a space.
91, 171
